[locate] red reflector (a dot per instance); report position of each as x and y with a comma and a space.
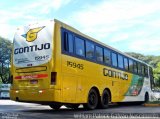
18, 77
53, 77
34, 76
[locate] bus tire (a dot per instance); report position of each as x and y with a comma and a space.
55, 106
146, 98
92, 100
105, 99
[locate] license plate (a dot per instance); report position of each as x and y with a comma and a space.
33, 81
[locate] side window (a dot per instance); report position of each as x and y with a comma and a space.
99, 54
143, 70
65, 41
68, 42
89, 50
79, 45
130, 65
151, 77
120, 61
126, 64
151, 71
114, 59
146, 70
135, 67
107, 56
139, 68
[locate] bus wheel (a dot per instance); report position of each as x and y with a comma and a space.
92, 100
105, 98
146, 98
55, 106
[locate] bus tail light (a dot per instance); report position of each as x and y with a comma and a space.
53, 78
41, 91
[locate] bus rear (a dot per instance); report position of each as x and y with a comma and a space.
33, 64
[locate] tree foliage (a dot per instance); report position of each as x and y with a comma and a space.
149, 59
157, 74
5, 53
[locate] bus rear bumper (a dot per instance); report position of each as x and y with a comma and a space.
47, 95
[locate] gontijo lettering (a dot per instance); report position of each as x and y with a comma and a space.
32, 48
115, 74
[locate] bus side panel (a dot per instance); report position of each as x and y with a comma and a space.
72, 83
80, 81
69, 86
72, 91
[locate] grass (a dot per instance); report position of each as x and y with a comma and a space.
153, 102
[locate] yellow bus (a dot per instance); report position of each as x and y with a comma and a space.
55, 64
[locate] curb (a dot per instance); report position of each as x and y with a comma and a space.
151, 105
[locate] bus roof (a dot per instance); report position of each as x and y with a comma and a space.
90, 38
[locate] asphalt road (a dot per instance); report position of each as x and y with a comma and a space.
15, 110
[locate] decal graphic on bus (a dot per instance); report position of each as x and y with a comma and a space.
32, 34
135, 86
33, 45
